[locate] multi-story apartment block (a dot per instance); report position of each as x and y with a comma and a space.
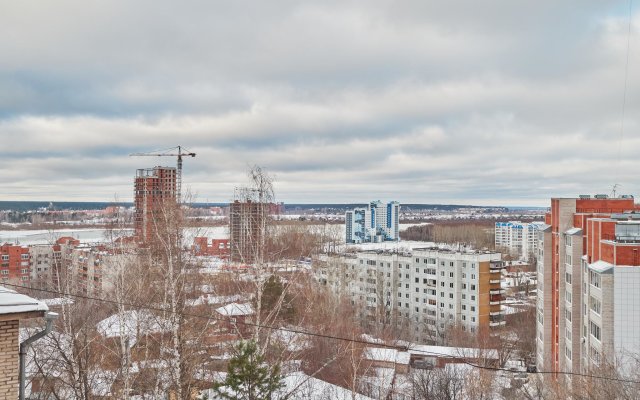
247, 225
375, 223
426, 291
15, 262
153, 189
519, 238
588, 282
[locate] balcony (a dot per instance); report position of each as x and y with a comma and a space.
494, 281
495, 299
496, 320
496, 291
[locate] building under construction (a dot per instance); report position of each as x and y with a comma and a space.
248, 219
154, 189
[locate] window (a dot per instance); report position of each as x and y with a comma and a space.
473, 287
450, 274
451, 295
473, 308
594, 279
567, 315
595, 305
567, 296
594, 330
567, 278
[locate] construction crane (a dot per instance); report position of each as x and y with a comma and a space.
177, 151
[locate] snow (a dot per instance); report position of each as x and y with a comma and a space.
451, 352
235, 309
305, 387
207, 299
600, 266
13, 302
135, 322
58, 301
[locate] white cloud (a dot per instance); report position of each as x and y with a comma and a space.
342, 101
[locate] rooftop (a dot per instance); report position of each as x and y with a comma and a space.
12, 302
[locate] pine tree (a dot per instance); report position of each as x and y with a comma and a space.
248, 376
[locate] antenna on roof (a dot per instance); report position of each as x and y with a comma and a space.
613, 190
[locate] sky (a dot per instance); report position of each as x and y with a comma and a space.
490, 103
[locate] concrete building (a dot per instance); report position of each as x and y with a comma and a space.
154, 188
588, 281
247, 225
519, 238
424, 291
377, 222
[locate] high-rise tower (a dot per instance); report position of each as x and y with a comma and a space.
155, 188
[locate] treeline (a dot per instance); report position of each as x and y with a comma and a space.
479, 234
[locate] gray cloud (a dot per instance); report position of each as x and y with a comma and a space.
494, 102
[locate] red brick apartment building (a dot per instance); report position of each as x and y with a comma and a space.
153, 187
588, 311
216, 247
15, 264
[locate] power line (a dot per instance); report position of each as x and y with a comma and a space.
321, 335
207, 317
624, 92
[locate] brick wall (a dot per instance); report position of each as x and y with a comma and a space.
9, 359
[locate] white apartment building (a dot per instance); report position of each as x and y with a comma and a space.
425, 291
520, 238
377, 222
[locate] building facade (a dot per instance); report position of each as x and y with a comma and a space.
247, 231
588, 280
519, 238
425, 291
154, 188
377, 222
15, 264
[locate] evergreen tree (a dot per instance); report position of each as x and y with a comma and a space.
272, 292
248, 376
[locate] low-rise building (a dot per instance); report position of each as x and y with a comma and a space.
14, 307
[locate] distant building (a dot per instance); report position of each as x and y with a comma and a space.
378, 222
202, 246
153, 187
247, 225
588, 280
520, 238
425, 291
15, 266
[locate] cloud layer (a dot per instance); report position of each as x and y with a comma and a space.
343, 101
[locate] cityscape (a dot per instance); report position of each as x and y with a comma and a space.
320, 201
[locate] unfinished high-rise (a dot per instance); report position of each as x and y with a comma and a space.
248, 219
155, 188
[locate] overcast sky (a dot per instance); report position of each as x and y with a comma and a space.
490, 102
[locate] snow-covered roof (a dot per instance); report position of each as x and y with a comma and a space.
387, 355
305, 387
130, 323
235, 309
58, 301
573, 231
12, 302
453, 352
600, 266
207, 299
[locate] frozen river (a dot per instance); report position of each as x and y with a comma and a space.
34, 237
